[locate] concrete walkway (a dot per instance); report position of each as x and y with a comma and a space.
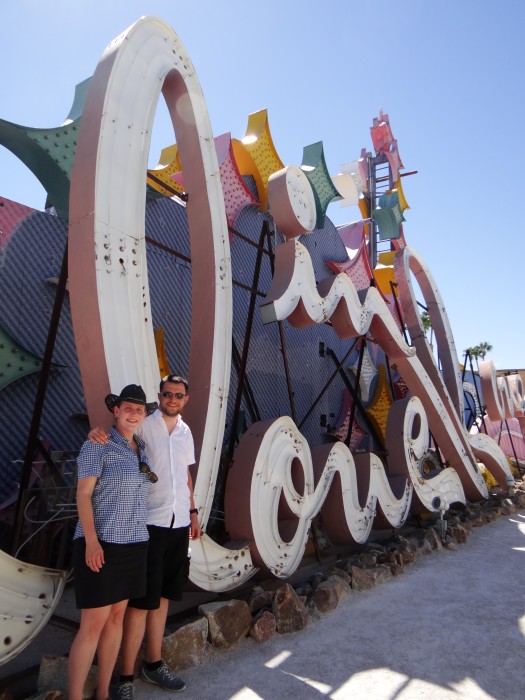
451, 627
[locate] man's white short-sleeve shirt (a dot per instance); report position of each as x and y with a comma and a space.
169, 457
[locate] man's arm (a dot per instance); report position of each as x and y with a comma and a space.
195, 528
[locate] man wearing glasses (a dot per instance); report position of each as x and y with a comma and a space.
172, 520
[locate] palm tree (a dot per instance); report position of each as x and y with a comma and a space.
484, 348
480, 350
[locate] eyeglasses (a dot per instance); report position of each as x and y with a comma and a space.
171, 395
145, 469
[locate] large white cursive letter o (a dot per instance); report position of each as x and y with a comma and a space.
107, 255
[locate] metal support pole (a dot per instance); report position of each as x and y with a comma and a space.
358, 377
41, 394
328, 383
355, 398
247, 338
468, 357
247, 389
512, 445
291, 395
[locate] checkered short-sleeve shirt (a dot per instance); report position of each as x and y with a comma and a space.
121, 492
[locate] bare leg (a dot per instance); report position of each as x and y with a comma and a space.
155, 626
134, 628
108, 647
92, 621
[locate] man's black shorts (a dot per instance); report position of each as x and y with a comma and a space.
168, 566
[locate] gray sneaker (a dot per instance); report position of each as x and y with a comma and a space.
123, 691
163, 677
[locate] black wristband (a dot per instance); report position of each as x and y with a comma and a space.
194, 510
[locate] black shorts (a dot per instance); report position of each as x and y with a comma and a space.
168, 566
123, 575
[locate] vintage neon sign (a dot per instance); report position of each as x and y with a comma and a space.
108, 262
267, 451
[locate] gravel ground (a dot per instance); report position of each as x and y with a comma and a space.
451, 627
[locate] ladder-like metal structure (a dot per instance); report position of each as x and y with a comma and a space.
379, 182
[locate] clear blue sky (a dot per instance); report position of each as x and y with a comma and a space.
449, 74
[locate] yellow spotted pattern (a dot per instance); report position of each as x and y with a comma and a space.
379, 409
159, 178
259, 144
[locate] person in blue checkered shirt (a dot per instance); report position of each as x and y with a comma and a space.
111, 538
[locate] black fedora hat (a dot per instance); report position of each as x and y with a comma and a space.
132, 393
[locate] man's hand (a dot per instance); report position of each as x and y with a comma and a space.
98, 435
195, 528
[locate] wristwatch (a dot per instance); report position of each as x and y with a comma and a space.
194, 510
